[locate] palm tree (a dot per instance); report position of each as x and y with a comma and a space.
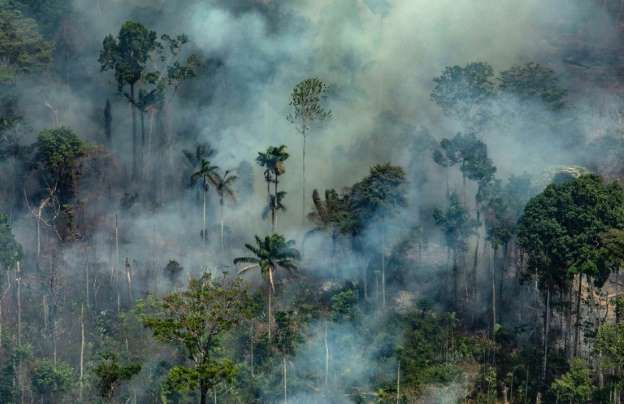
205, 176
273, 162
223, 185
276, 203
270, 254
329, 216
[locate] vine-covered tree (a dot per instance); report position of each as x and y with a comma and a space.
273, 162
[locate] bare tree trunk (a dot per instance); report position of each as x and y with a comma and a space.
493, 275
546, 332
204, 218
19, 304
398, 392
285, 380
303, 179
269, 312
135, 149
221, 202
383, 262
577, 329
82, 350
326, 357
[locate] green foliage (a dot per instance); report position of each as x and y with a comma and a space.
271, 253
52, 380
287, 335
110, 373
273, 161
533, 82
306, 103
128, 54
610, 345
10, 250
468, 151
380, 193
195, 321
455, 223
344, 305
561, 230
465, 92
59, 149
22, 49
576, 385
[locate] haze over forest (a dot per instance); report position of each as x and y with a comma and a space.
311, 201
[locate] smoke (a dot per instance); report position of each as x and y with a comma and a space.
378, 58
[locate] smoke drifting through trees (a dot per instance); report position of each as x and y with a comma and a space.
460, 149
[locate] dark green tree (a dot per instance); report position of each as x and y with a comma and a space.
111, 372
52, 380
377, 197
561, 233
205, 177
128, 56
196, 321
465, 93
533, 82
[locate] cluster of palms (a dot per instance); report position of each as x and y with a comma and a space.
206, 176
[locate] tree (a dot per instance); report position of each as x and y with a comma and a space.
196, 320
306, 102
128, 56
457, 227
204, 176
576, 385
561, 233
223, 186
22, 48
270, 254
286, 339
377, 197
610, 346
52, 380
329, 216
533, 82
10, 250
273, 163
110, 373
465, 93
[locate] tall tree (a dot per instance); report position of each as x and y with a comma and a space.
377, 197
561, 233
533, 82
457, 227
306, 102
128, 56
329, 216
223, 186
465, 93
204, 176
270, 254
273, 162
196, 321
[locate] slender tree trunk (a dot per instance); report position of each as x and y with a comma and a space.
203, 233
577, 333
251, 347
82, 351
19, 304
221, 202
134, 135
303, 179
383, 262
493, 276
203, 392
475, 266
326, 357
269, 311
274, 217
546, 332
142, 151
398, 392
285, 380
108, 121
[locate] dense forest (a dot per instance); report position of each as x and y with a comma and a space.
311, 201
